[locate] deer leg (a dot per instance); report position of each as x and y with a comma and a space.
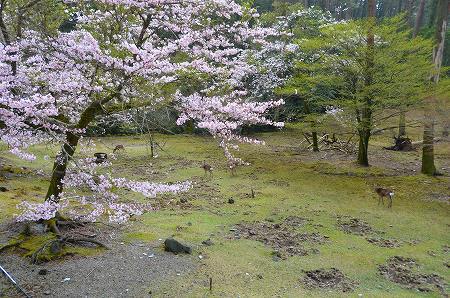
390, 201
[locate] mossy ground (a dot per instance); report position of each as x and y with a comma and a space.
286, 181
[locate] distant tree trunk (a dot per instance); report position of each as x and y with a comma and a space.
419, 18
306, 3
365, 122
409, 11
428, 166
402, 124
349, 11
315, 143
402, 118
409, 6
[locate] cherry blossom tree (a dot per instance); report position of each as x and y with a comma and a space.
120, 55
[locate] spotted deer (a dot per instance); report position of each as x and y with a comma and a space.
384, 192
119, 147
207, 168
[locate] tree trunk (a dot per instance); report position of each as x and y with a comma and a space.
68, 149
60, 167
349, 11
402, 124
419, 18
365, 123
363, 147
315, 142
428, 166
409, 11
306, 3
313, 127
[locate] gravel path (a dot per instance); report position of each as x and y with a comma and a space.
126, 270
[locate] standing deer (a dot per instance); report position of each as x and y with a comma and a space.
119, 147
207, 168
232, 165
384, 192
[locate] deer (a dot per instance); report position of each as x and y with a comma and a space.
384, 192
232, 165
207, 168
119, 147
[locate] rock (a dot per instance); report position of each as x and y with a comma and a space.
176, 247
47, 293
259, 276
43, 272
55, 247
183, 200
230, 201
207, 242
3, 189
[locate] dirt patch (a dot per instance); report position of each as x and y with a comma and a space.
282, 237
355, 226
328, 279
404, 271
389, 243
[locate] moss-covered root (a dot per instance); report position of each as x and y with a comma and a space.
55, 246
14, 243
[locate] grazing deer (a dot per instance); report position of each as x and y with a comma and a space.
119, 147
207, 168
384, 192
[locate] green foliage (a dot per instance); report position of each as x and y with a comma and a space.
333, 68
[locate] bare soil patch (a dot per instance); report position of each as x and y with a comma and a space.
355, 226
328, 279
405, 271
282, 237
389, 243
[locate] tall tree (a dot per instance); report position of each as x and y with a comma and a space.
428, 166
365, 115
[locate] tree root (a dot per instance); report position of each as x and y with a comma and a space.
11, 245
55, 246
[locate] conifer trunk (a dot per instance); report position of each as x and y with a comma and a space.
419, 17
428, 166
